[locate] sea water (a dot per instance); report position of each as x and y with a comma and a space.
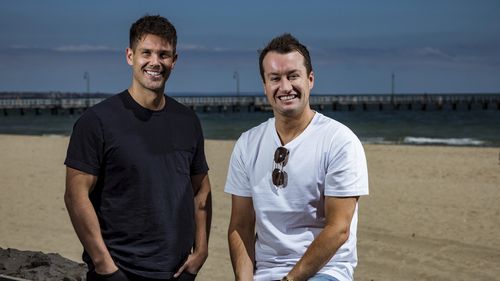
462, 127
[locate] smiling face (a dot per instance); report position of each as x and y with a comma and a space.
286, 83
152, 59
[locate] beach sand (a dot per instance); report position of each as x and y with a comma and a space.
433, 213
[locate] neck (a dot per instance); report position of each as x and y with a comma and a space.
148, 99
289, 128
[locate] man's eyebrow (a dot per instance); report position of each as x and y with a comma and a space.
288, 72
162, 51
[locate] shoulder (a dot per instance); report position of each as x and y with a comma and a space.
181, 111
335, 138
174, 105
251, 141
255, 134
95, 114
106, 106
333, 129
110, 101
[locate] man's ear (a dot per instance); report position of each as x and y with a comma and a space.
311, 80
129, 54
174, 60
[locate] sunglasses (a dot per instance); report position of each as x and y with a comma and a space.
280, 177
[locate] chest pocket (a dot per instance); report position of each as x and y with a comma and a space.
183, 156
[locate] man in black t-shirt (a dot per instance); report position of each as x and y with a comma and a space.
137, 189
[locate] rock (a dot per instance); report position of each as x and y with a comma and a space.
38, 266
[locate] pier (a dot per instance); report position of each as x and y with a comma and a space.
364, 102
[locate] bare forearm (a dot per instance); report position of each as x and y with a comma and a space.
338, 214
203, 219
87, 228
321, 250
242, 251
241, 237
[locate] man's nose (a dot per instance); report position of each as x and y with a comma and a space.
155, 59
285, 85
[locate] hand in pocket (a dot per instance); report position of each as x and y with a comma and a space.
115, 276
186, 276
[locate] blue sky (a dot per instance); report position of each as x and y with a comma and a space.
431, 46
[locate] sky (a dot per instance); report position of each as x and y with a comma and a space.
431, 46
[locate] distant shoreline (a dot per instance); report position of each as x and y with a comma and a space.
63, 94
411, 142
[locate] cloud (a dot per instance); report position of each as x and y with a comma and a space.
191, 47
411, 55
457, 55
84, 48
66, 48
432, 52
202, 48
23, 47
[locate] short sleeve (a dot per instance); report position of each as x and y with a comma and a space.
199, 164
85, 149
347, 173
237, 182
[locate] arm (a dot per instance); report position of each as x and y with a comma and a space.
338, 212
241, 236
203, 219
84, 219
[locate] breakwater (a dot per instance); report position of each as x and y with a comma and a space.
369, 102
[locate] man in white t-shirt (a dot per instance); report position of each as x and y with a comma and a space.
295, 181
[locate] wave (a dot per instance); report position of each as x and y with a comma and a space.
442, 141
425, 141
376, 140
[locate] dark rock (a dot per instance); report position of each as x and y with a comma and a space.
38, 266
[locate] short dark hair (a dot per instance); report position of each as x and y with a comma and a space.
155, 25
285, 44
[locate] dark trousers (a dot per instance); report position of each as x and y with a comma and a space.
121, 275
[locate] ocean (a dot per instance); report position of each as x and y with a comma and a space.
446, 127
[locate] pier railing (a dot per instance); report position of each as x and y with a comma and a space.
260, 103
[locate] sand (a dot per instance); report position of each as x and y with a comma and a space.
433, 213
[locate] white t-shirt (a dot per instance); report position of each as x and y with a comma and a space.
326, 159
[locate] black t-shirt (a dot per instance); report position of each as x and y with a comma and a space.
143, 197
